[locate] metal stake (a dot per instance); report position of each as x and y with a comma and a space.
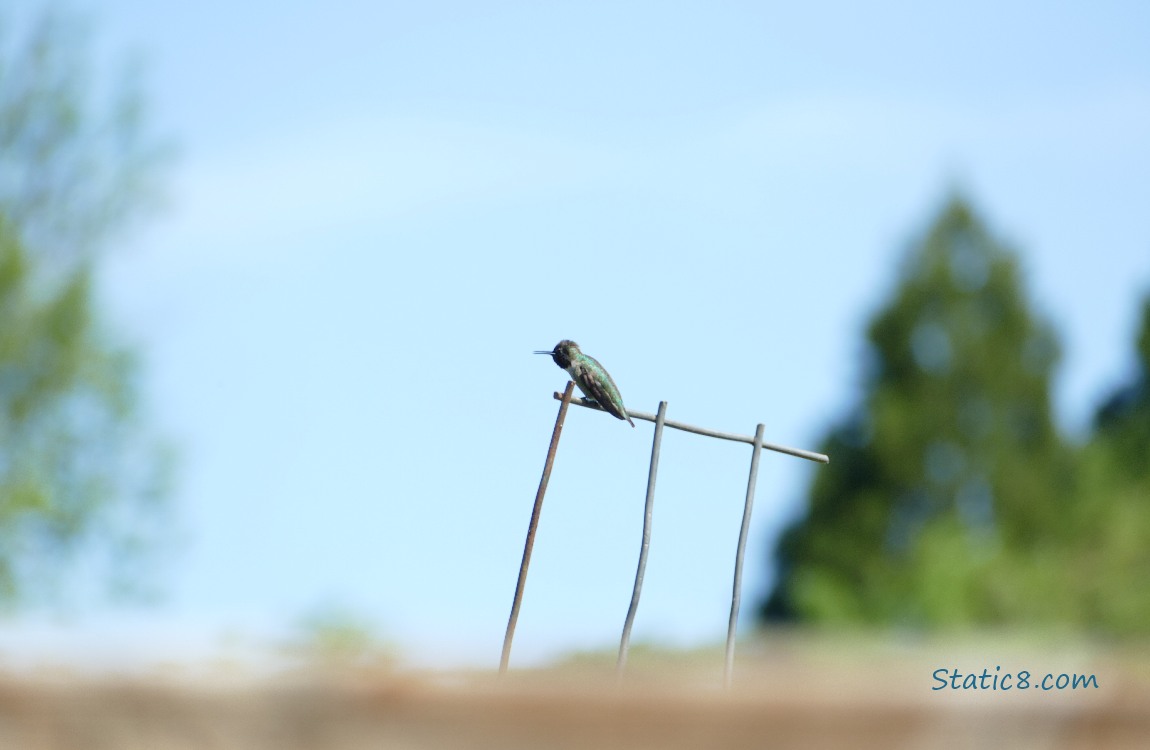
649, 507
743, 530
533, 526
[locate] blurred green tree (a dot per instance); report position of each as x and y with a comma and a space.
336, 639
1123, 421
1113, 512
949, 496
76, 163
81, 477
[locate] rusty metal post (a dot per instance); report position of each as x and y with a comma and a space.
648, 511
534, 524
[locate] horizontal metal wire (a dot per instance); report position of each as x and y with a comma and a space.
808, 455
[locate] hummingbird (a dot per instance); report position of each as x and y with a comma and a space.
591, 377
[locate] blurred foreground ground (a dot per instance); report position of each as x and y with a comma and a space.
790, 691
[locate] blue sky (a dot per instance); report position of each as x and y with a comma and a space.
381, 209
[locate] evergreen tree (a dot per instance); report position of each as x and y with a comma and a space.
1113, 512
1123, 420
946, 499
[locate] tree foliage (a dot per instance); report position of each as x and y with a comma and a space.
1122, 424
81, 477
1114, 504
76, 163
951, 499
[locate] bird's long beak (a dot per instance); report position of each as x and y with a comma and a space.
544, 352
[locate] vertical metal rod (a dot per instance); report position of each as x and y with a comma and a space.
648, 511
743, 530
533, 526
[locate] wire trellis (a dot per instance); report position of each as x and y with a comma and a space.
660, 421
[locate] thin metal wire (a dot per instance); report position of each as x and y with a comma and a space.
737, 588
809, 455
648, 512
759, 444
533, 525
